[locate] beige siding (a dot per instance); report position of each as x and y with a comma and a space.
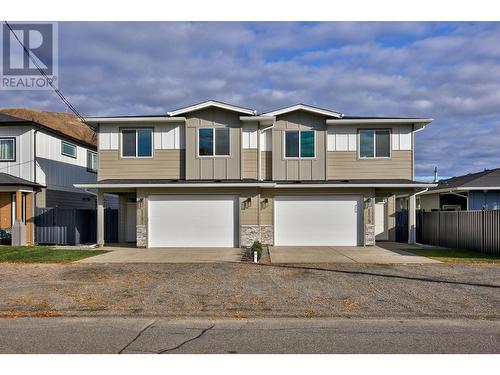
249, 215
168, 164
266, 165
213, 167
346, 165
267, 210
250, 164
429, 202
299, 169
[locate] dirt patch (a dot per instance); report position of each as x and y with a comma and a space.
241, 290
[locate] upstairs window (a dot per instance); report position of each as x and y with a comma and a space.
300, 144
7, 149
137, 143
91, 161
213, 142
68, 149
374, 144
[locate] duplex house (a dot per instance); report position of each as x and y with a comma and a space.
42, 154
220, 175
473, 191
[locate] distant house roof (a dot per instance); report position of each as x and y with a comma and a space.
488, 179
9, 180
60, 122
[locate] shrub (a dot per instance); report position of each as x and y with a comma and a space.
257, 246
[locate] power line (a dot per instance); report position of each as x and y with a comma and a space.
49, 81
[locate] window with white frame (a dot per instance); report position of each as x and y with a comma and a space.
91, 161
7, 149
137, 143
374, 143
213, 142
300, 144
68, 149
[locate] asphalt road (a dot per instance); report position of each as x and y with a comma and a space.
141, 335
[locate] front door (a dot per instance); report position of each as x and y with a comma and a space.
381, 233
131, 231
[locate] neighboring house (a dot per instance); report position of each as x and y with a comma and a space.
219, 175
474, 191
42, 154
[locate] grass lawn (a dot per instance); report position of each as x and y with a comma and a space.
43, 254
455, 255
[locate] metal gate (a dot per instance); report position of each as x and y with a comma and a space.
68, 226
402, 226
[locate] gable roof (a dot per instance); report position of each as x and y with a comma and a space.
487, 179
63, 123
304, 107
211, 103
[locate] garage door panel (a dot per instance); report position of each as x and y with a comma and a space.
192, 221
317, 221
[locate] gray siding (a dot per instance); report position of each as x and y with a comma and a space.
299, 169
64, 199
219, 168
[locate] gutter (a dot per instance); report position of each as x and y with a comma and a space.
380, 121
120, 120
257, 184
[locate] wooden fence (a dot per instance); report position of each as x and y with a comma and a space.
473, 230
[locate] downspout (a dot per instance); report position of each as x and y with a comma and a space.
37, 129
259, 161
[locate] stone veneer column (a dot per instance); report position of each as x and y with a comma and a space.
100, 218
142, 220
369, 221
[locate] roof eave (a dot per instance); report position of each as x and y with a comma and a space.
422, 121
131, 120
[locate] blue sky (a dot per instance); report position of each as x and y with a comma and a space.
447, 71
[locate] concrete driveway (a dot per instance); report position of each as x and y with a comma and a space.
390, 253
167, 255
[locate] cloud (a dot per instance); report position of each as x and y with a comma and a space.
448, 71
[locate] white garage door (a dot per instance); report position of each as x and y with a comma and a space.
192, 221
317, 221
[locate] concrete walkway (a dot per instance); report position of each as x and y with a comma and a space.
346, 254
167, 255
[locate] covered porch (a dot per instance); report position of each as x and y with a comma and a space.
17, 210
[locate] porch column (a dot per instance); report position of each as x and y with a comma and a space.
100, 218
412, 220
19, 206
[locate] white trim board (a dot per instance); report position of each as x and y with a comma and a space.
304, 107
212, 103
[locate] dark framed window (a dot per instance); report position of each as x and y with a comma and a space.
374, 143
7, 149
300, 144
137, 143
214, 142
92, 161
68, 149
